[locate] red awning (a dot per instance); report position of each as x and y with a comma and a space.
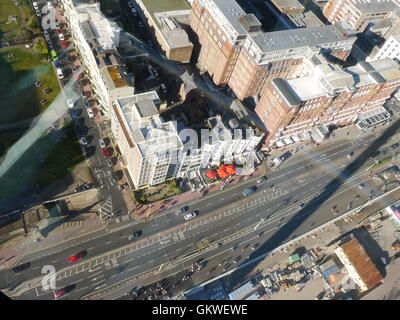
230, 169
222, 173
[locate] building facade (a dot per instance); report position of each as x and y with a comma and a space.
390, 49
235, 51
290, 109
358, 13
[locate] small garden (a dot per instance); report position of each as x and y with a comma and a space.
156, 193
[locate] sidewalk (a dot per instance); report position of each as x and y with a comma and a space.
146, 211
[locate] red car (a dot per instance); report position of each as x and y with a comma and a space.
59, 31
105, 153
64, 44
75, 257
59, 293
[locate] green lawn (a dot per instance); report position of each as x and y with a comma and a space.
20, 98
8, 8
47, 161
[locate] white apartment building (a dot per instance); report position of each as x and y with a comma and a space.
390, 49
97, 40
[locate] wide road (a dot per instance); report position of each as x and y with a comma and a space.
169, 237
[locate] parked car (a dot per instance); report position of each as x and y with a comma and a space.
191, 215
59, 73
102, 143
301, 205
46, 34
135, 235
35, 5
64, 44
105, 153
83, 141
61, 36
163, 88
90, 113
38, 13
109, 163
49, 5
70, 103
361, 186
182, 210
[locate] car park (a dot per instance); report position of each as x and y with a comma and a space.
90, 113
76, 257
59, 293
70, 103
135, 235
182, 210
102, 143
191, 215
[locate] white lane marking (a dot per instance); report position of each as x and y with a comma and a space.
107, 242
82, 288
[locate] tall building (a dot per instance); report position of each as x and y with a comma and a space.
234, 50
290, 109
97, 40
149, 146
358, 13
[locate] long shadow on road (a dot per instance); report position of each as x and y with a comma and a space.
287, 231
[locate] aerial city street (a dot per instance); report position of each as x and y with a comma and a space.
200, 150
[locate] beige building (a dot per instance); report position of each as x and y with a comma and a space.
358, 13
166, 18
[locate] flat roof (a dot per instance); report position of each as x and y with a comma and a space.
232, 12
363, 264
154, 6
116, 77
294, 38
375, 5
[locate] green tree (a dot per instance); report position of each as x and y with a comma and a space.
41, 46
32, 22
24, 35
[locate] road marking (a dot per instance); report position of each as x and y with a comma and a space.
95, 274
108, 242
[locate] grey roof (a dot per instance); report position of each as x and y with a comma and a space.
286, 91
373, 6
280, 40
87, 30
146, 108
232, 11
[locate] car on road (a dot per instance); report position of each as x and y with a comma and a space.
262, 179
301, 205
249, 191
261, 155
350, 154
70, 103
102, 143
21, 267
135, 235
361, 186
182, 210
76, 257
90, 113
105, 153
59, 293
191, 215
83, 141
236, 260
254, 246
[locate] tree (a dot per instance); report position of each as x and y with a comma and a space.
32, 22
24, 35
41, 46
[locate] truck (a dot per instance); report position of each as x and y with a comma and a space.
279, 160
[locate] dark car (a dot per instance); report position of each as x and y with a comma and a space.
249, 191
21, 267
182, 210
135, 235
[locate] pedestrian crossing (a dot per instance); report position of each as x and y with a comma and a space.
106, 208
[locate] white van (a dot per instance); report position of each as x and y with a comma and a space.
60, 73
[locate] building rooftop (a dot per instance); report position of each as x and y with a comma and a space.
232, 12
305, 19
147, 129
372, 6
164, 6
115, 75
287, 39
285, 5
172, 30
95, 26
363, 264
